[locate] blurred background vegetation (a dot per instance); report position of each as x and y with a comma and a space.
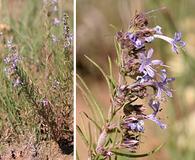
95, 34
23, 134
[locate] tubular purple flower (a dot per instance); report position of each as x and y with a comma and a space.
154, 104
137, 126
175, 43
136, 42
162, 85
153, 118
147, 63
133, 124
144, 78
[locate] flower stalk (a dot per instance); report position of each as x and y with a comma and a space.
127, 115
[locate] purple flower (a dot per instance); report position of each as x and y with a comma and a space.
130, 143
11, 62
17, 82
144, 78
136, 42
12, 59
56, 22
45, 102
157, 30
176, 42
153, 118
134, 124
154, 104
147, 63
162, 85
137, 126
149, 39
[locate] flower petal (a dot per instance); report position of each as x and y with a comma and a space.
177, 36
150, 53
159, 93
150, 71
154, 104
163, 75
141, 68
149, 39
168, 92
154, 119
157, 29
157, 62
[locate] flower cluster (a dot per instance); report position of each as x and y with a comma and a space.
137, 63
11, 61
57, 22
68, 37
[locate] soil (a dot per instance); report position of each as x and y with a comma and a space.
27, 149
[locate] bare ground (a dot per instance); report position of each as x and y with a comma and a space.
27, 149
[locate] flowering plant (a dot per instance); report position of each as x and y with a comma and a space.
37, 82
120, 135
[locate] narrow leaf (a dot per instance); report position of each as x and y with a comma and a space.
93, 121
117, 48
90, 136
82, 135
88, 101
98, 108
125, 153
102, 71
